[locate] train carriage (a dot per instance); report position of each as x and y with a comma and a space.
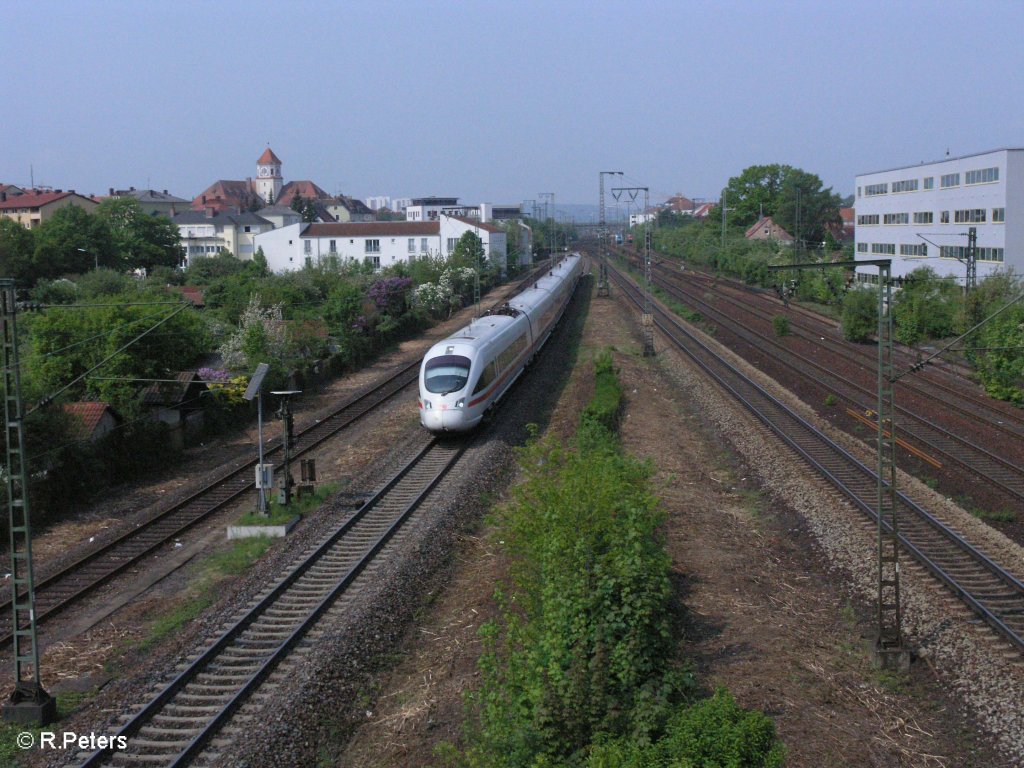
466, 374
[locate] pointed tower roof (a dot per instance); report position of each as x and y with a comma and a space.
269, 158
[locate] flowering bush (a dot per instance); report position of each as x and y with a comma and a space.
223, 385
388, 294
261, 334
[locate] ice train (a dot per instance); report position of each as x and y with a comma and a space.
467, 373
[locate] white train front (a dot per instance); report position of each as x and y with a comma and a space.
467, 373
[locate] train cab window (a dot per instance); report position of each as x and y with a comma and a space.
446, 373
486, 378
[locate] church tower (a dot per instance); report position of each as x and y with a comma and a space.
268, 177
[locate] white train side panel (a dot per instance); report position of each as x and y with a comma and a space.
467, 373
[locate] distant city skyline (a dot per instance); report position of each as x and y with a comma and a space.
494, 104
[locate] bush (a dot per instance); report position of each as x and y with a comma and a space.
860, 314
604, 408
780, 324
713, 732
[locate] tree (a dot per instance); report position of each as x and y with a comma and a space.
305, 208
780, 191
860, 314
16, 247
140, 240
72, 241
469, 251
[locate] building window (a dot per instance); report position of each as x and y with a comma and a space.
373, 261
876, 189
998, 215
867, 219
423, 245
309, 261
913, 250
950, 180
960, 252
982, 176
923, 217
412, 245
943, 217
307, 246
896, 218
858, 191
334, 246
884, 248
929, 182
451, 243
909, 185
970, 216
248, 229
862, 247
373, 246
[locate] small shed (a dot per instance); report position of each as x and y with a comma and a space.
91, 421
178, 403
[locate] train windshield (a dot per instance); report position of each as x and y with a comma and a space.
446, 373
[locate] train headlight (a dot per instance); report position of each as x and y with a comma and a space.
427, 405
461, 402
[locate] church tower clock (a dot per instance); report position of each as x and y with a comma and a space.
268, 176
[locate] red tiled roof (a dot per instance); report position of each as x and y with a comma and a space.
306, 188
847, 215
268, 157
34, 199
370, 228
192, 293
87, 417
225, 193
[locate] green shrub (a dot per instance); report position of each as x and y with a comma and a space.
860, 314
713, 732
780, 324
604, 407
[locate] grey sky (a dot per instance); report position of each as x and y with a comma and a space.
499, 101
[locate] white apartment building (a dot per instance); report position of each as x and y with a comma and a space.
919, 215
383, 243
376, 202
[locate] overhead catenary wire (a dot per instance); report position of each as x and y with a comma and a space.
49, 398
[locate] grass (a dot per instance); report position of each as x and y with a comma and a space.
278, 515
995, 515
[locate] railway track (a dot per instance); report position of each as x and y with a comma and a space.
953, 391
85, 575
180, 724
934, 438
994, 594
82, 577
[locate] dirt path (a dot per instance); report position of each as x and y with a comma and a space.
763, 616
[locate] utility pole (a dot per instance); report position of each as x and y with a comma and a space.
972, 260
724, 209
602, 235
647, 320
284, 496
29, 704
890, 650
264, 472
548, 222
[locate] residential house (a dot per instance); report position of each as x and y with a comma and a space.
345, 209
382, 243
33, 208
205, 233
154, 202
767, 229
703, 210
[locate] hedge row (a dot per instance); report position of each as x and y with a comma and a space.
581, 668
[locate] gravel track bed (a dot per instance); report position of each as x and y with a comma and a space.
985, 673
954, 480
